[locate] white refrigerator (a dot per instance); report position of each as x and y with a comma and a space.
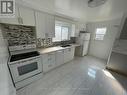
83, 40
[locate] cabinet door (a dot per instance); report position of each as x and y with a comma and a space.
11, 20
52, 60
67, 55
45, 63
50, 26
27, 16
59, 58
72, 53
73, 30
40, 24
49, 61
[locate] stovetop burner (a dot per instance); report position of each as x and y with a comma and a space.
24, 56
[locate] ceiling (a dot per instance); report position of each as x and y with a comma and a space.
79, 10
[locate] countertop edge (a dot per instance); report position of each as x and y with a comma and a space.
57, 48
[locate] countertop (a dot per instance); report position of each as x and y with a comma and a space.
55, 48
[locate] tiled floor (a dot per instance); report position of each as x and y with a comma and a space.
82, 76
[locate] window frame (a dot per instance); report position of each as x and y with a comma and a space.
68, 33
62, 26
100, 34
55, 35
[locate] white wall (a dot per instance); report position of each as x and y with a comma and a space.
6, 86
80, 26
101, 49
78, 9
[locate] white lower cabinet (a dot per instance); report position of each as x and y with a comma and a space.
72, 53
68, 54
59, 57
48, 61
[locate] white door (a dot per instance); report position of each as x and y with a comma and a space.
11, 20
85, 48
40, 24
27, 16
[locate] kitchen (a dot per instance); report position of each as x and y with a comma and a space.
52, 47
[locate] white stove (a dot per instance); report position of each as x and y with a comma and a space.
25, 68
25, 62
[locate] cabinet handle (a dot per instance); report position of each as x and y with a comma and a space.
20, 20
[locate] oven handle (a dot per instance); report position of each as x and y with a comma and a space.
29, 59
25, 60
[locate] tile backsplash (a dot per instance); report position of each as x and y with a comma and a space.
44, 42
48, 42
18, 34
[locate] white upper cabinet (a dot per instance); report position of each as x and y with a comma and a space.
23, 16
73, 31
40, 24
11, 20
27, 16
50, 26
45, 25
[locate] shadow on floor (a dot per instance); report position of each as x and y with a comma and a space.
122, 79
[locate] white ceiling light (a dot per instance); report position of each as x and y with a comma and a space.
95, 3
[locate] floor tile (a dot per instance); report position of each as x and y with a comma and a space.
82, 76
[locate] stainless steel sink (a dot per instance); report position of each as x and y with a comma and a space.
65, 45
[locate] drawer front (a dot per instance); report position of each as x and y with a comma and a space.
49, 61
68, 49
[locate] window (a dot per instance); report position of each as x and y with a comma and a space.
57, 34
61, 33
65, 33
100, 33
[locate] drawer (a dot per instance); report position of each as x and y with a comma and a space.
49, 61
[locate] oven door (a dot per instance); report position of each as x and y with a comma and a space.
25, 69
